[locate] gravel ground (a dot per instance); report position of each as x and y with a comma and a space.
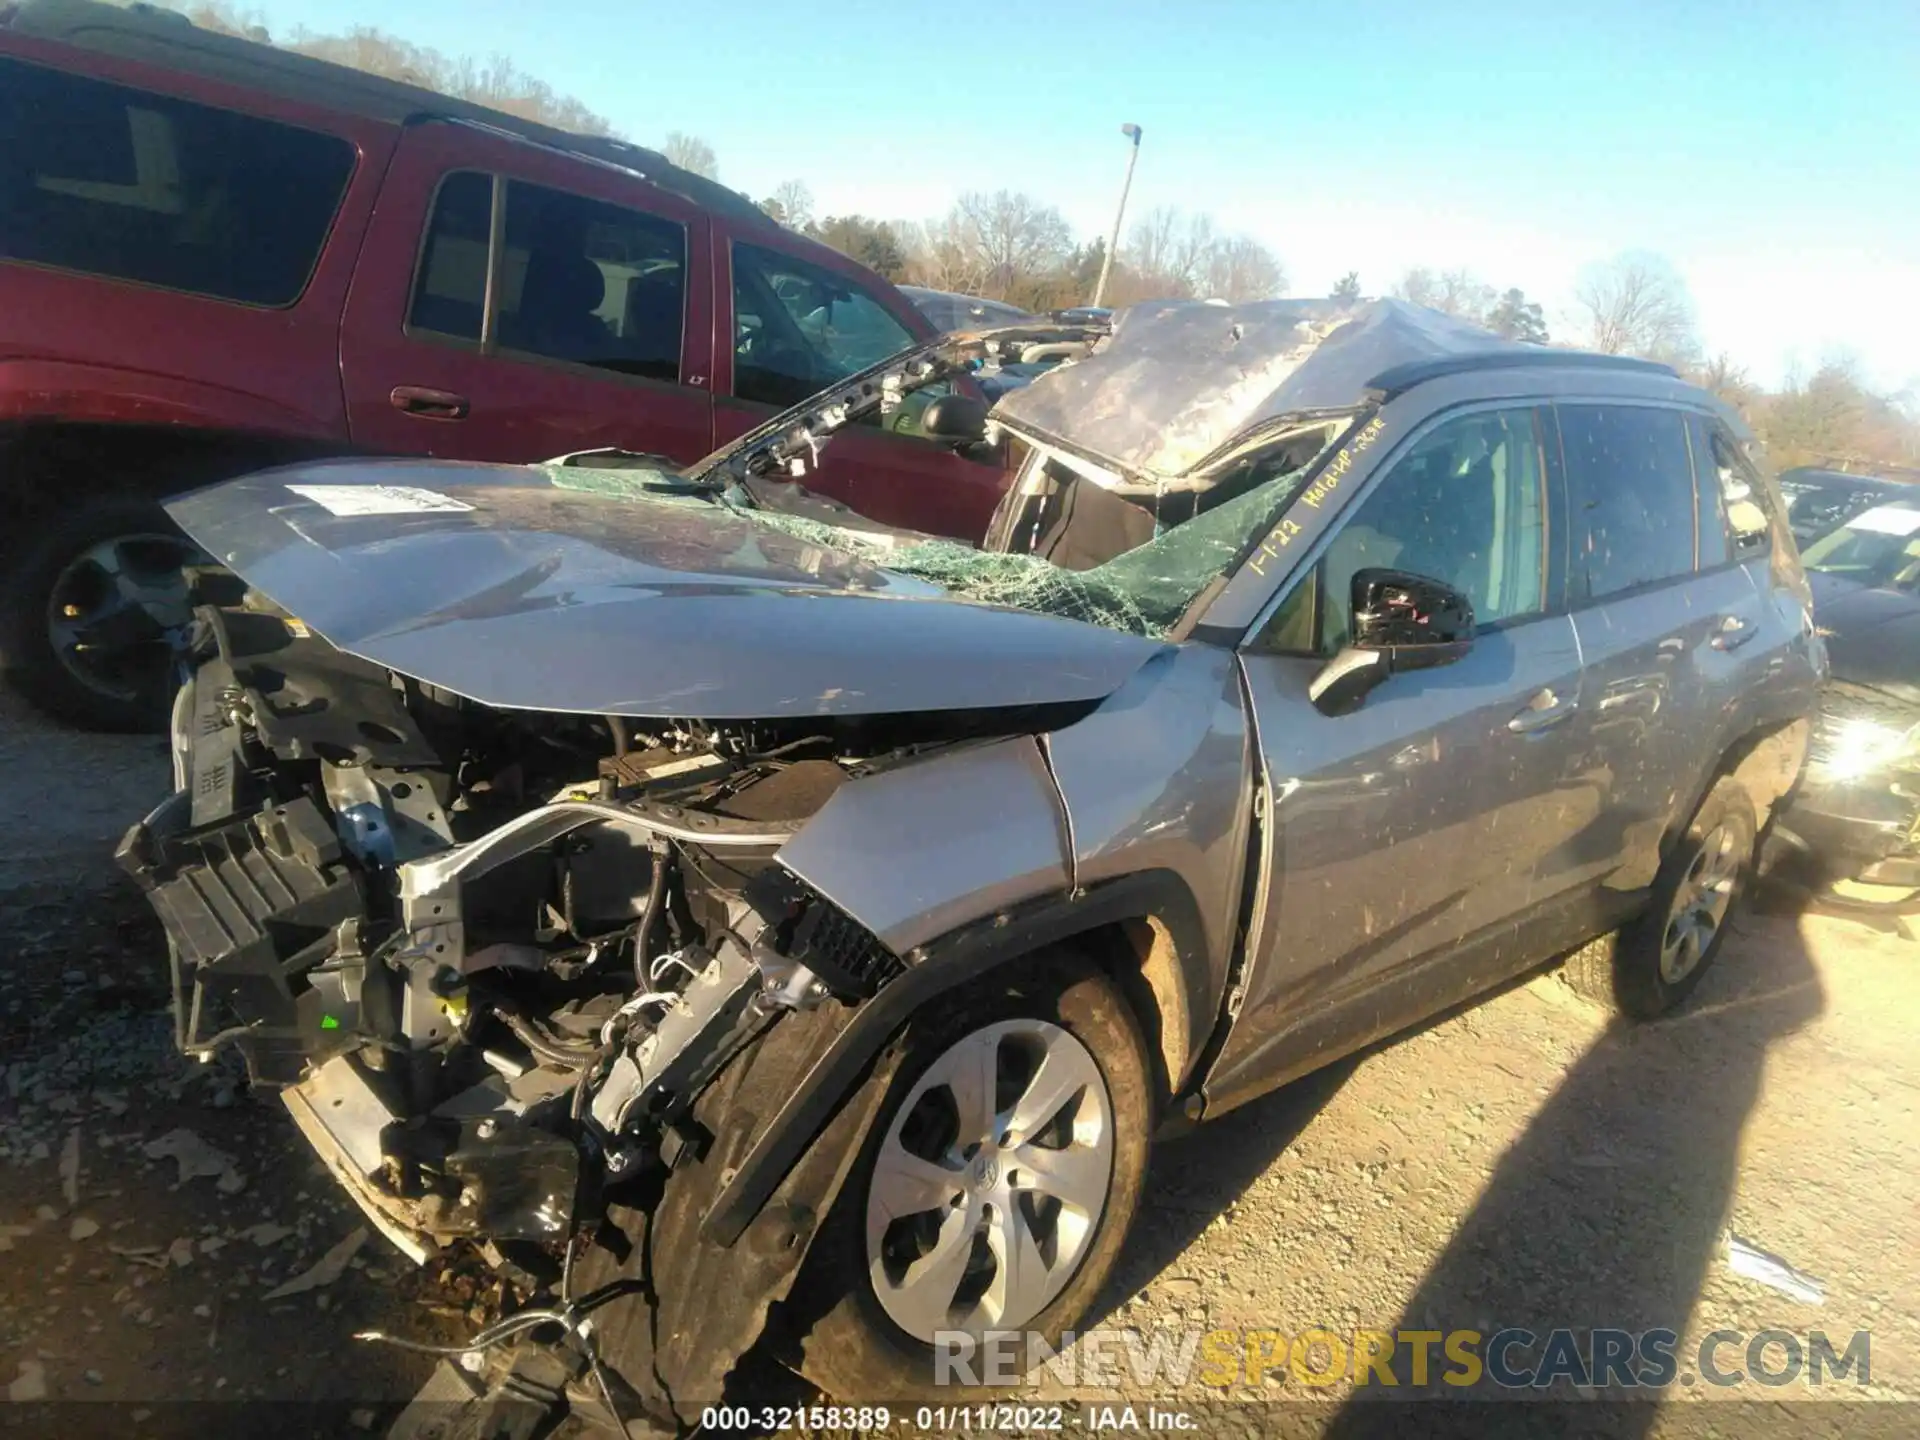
1519, 1163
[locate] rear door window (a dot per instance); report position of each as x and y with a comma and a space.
581, 280
126, 183
799, 327
1630, 484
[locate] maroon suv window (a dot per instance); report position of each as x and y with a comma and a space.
580, 280
116, 181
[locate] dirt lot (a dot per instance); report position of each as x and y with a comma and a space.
1517, 1164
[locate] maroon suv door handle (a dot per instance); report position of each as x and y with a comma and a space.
429, 404
1734, 632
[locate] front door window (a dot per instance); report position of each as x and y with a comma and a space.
797, 328
1466, 505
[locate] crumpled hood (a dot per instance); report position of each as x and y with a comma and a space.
1873, 634
496, 583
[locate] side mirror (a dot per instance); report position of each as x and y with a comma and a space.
959, 418
1401, 621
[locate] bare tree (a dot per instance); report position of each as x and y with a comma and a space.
496, 82
1015, 237
795, 203
1635, 304
1347, 290
1174, 255
690, 152
1149, 253
1721, 376
1451, 292
1416, 287
1193, 248
1244, 269
945, 254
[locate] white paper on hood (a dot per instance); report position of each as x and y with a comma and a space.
378, 499
1887, 520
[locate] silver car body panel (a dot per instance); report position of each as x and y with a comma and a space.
1419, 850
922, 849
1159, 778
495, 583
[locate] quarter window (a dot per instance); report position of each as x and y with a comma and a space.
120, 182
1466, 505
1734, 523
1630, 480
451, 287
798, 328
580, 280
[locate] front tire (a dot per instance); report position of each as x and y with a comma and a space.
1649, 966
994, 1192
89, 602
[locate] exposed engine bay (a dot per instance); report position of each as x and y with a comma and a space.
492, 958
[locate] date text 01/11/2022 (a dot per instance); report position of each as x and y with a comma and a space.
1014, 1419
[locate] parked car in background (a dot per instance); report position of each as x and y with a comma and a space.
1854, 831
708, 895
948, 311
216, 255
953, 313
1084, 315
1818, 500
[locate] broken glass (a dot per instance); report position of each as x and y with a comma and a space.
1142, 591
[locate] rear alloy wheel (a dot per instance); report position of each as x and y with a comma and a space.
1701, 901
91, 611
993, 1194
1649, 966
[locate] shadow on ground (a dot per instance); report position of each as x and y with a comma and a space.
1608, 1210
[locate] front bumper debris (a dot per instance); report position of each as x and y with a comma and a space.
1865, 829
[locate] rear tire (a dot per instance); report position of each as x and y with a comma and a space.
103, 572
1650, 965
855, 1346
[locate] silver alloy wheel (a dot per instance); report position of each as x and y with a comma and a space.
991, 1182
114, 609
1700, 904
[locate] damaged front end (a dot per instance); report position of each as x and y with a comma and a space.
507, 967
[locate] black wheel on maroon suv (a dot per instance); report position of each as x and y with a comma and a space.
91, 600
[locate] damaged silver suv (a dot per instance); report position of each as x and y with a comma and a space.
755, 927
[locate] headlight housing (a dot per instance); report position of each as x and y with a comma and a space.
1860, 734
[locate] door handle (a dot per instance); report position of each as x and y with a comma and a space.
1734, 632
1543, 712
429, 404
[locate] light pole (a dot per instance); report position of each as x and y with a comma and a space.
1132, 132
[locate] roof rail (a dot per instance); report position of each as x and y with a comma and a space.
1398, 379
166, 38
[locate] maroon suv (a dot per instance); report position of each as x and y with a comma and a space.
216, 256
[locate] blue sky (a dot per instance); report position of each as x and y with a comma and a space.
1769, 149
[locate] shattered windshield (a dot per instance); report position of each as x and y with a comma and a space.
1879, 548
1086, 550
